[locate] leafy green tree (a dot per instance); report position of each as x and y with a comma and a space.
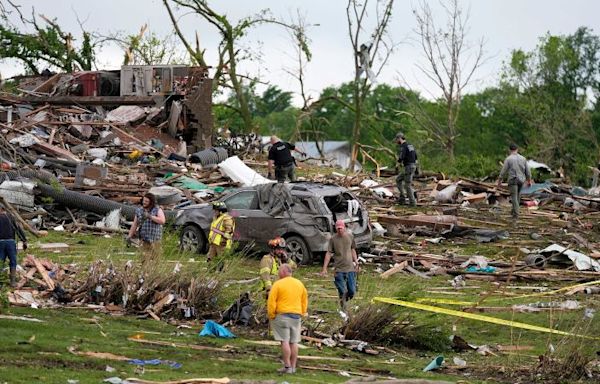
550, 88
272, 100
47, 45
266, 110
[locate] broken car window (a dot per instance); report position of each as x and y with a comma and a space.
243, 200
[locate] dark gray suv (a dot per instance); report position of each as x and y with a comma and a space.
303, 213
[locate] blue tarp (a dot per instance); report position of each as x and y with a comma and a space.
214, 329
171, 364
536, 188
488, 269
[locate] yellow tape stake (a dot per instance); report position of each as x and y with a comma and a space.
474, 316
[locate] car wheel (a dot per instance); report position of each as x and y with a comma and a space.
192, 239
298, 250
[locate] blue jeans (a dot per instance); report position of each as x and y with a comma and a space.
345, 282
8, 248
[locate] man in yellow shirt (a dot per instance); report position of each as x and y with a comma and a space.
270, 263
288, 302
220, 236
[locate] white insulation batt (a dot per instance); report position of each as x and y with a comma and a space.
239, 172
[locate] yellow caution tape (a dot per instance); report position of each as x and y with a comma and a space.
474, 316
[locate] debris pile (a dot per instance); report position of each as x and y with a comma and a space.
117, 289
70, 167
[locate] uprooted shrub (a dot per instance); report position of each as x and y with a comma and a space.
159, 290
380, 323
572, 357
569, 368
368, 323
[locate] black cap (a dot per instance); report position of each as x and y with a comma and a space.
399, 136
513, 147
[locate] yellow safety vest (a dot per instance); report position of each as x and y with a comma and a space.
272, 270
217, 230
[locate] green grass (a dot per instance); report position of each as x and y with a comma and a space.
46, 358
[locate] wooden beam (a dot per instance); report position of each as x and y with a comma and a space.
92, 100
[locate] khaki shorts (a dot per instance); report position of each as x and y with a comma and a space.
286, 329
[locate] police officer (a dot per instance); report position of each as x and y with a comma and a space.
407, 156
280, 155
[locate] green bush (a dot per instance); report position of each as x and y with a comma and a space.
473, 166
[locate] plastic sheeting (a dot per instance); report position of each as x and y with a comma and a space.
537, 188
275, 199
214, 329
239, 172
582, 262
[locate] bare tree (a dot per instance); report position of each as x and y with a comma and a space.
229, 52
370, 56
302, 56
450, 62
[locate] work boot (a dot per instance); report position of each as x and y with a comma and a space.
401, 200
13, 277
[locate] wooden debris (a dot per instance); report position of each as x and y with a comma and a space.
42, 271
180, 345
395, 269
98, 355
20, 318
50, 247
223, 380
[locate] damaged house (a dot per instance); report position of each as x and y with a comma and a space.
330, 153
178, 97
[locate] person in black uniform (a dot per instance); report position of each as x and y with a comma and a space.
407, 156
280, 155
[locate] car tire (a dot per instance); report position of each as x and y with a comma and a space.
298, 250
192, 239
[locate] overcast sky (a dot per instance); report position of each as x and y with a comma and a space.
504, 24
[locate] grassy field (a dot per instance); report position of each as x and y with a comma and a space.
39, 352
